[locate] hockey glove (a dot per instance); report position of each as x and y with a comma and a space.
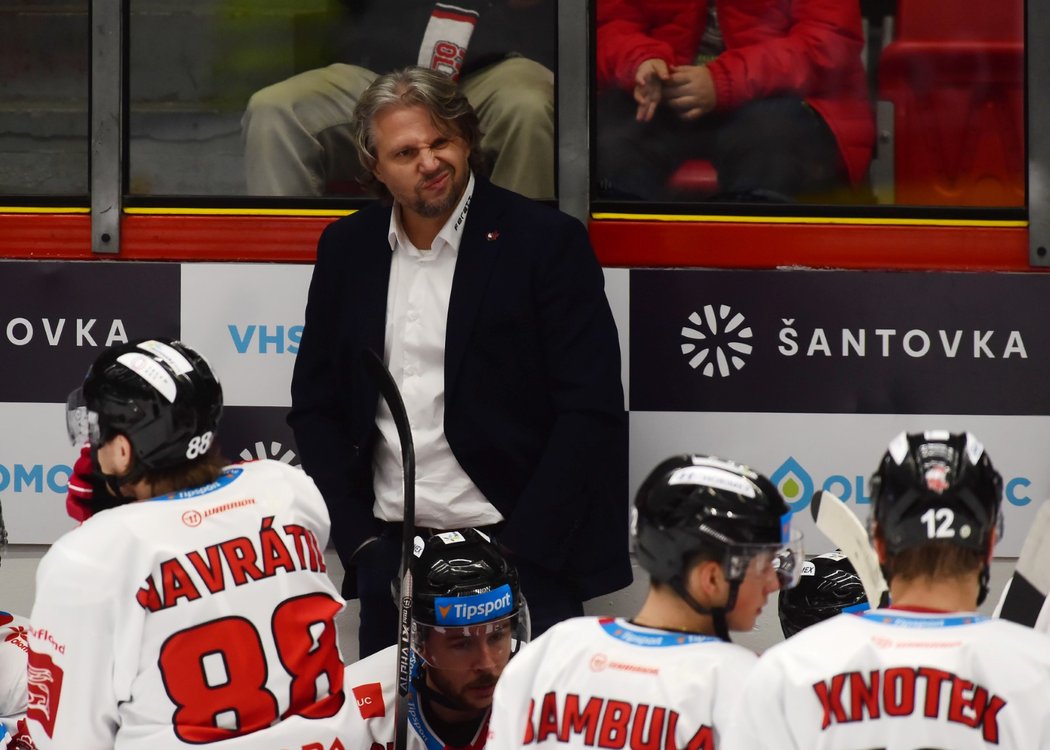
85, 488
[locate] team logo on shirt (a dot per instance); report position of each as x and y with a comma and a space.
467, 610
370, 700
44, 689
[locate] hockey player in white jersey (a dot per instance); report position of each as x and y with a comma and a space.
13, 652
928, 671
468, 620
199, 613
715, 538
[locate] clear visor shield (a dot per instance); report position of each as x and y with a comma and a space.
485, 646
783, 560
81, 422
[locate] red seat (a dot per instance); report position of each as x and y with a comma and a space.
955, 75
695, 178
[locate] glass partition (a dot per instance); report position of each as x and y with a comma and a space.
234, 98
43, 98
913, 102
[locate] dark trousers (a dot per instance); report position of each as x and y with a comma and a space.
778, 147
550, 597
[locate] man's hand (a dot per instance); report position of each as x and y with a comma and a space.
649, 81
690, 91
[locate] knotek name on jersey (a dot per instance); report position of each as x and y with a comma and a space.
903, 691
233, 562
607, 723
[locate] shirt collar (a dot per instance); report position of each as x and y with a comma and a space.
451, 233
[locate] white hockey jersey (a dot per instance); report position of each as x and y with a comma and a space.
603, 682
14, 649
202, 618
372, 683
899, 680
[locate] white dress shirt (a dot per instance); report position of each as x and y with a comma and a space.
416, 317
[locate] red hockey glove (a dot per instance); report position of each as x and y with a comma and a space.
80, 489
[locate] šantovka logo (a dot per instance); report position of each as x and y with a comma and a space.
717, 341
54, 332
275, 450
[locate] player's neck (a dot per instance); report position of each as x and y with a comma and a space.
957, 594
665, 610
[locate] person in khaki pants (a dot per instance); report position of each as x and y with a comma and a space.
296, 132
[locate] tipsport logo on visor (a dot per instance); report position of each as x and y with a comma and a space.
468, 610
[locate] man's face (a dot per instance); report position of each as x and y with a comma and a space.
759, 582
425, 169
463, 664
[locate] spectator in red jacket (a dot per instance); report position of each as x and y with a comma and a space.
771, 92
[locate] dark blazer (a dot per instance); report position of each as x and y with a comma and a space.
534, 408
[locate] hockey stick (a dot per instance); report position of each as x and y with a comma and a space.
388, 389
1025, 597
844, 529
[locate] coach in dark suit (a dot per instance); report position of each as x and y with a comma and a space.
499, 300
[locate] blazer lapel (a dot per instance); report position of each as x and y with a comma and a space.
478, 254
366, 298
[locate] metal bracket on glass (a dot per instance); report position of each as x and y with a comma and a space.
107, 123
1038, 192
572, 81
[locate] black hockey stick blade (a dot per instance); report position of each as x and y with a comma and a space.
388, 389
839, 524
1026, 592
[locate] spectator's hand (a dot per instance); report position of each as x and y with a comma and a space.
649, 81
690, 91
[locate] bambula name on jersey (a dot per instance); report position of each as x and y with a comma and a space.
904, 691
608, 723
234, 562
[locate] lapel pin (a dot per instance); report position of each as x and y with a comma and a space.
492, 236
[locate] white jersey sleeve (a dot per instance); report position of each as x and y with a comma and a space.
370, 684
205, 618
900, 680
14, 650
604, 682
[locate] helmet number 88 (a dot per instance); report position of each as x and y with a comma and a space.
199, 445
939, 523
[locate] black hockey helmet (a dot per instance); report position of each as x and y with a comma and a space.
691, 504
462, 585
159, 393
828, 584
936, 486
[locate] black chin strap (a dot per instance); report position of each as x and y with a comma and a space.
718, 614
